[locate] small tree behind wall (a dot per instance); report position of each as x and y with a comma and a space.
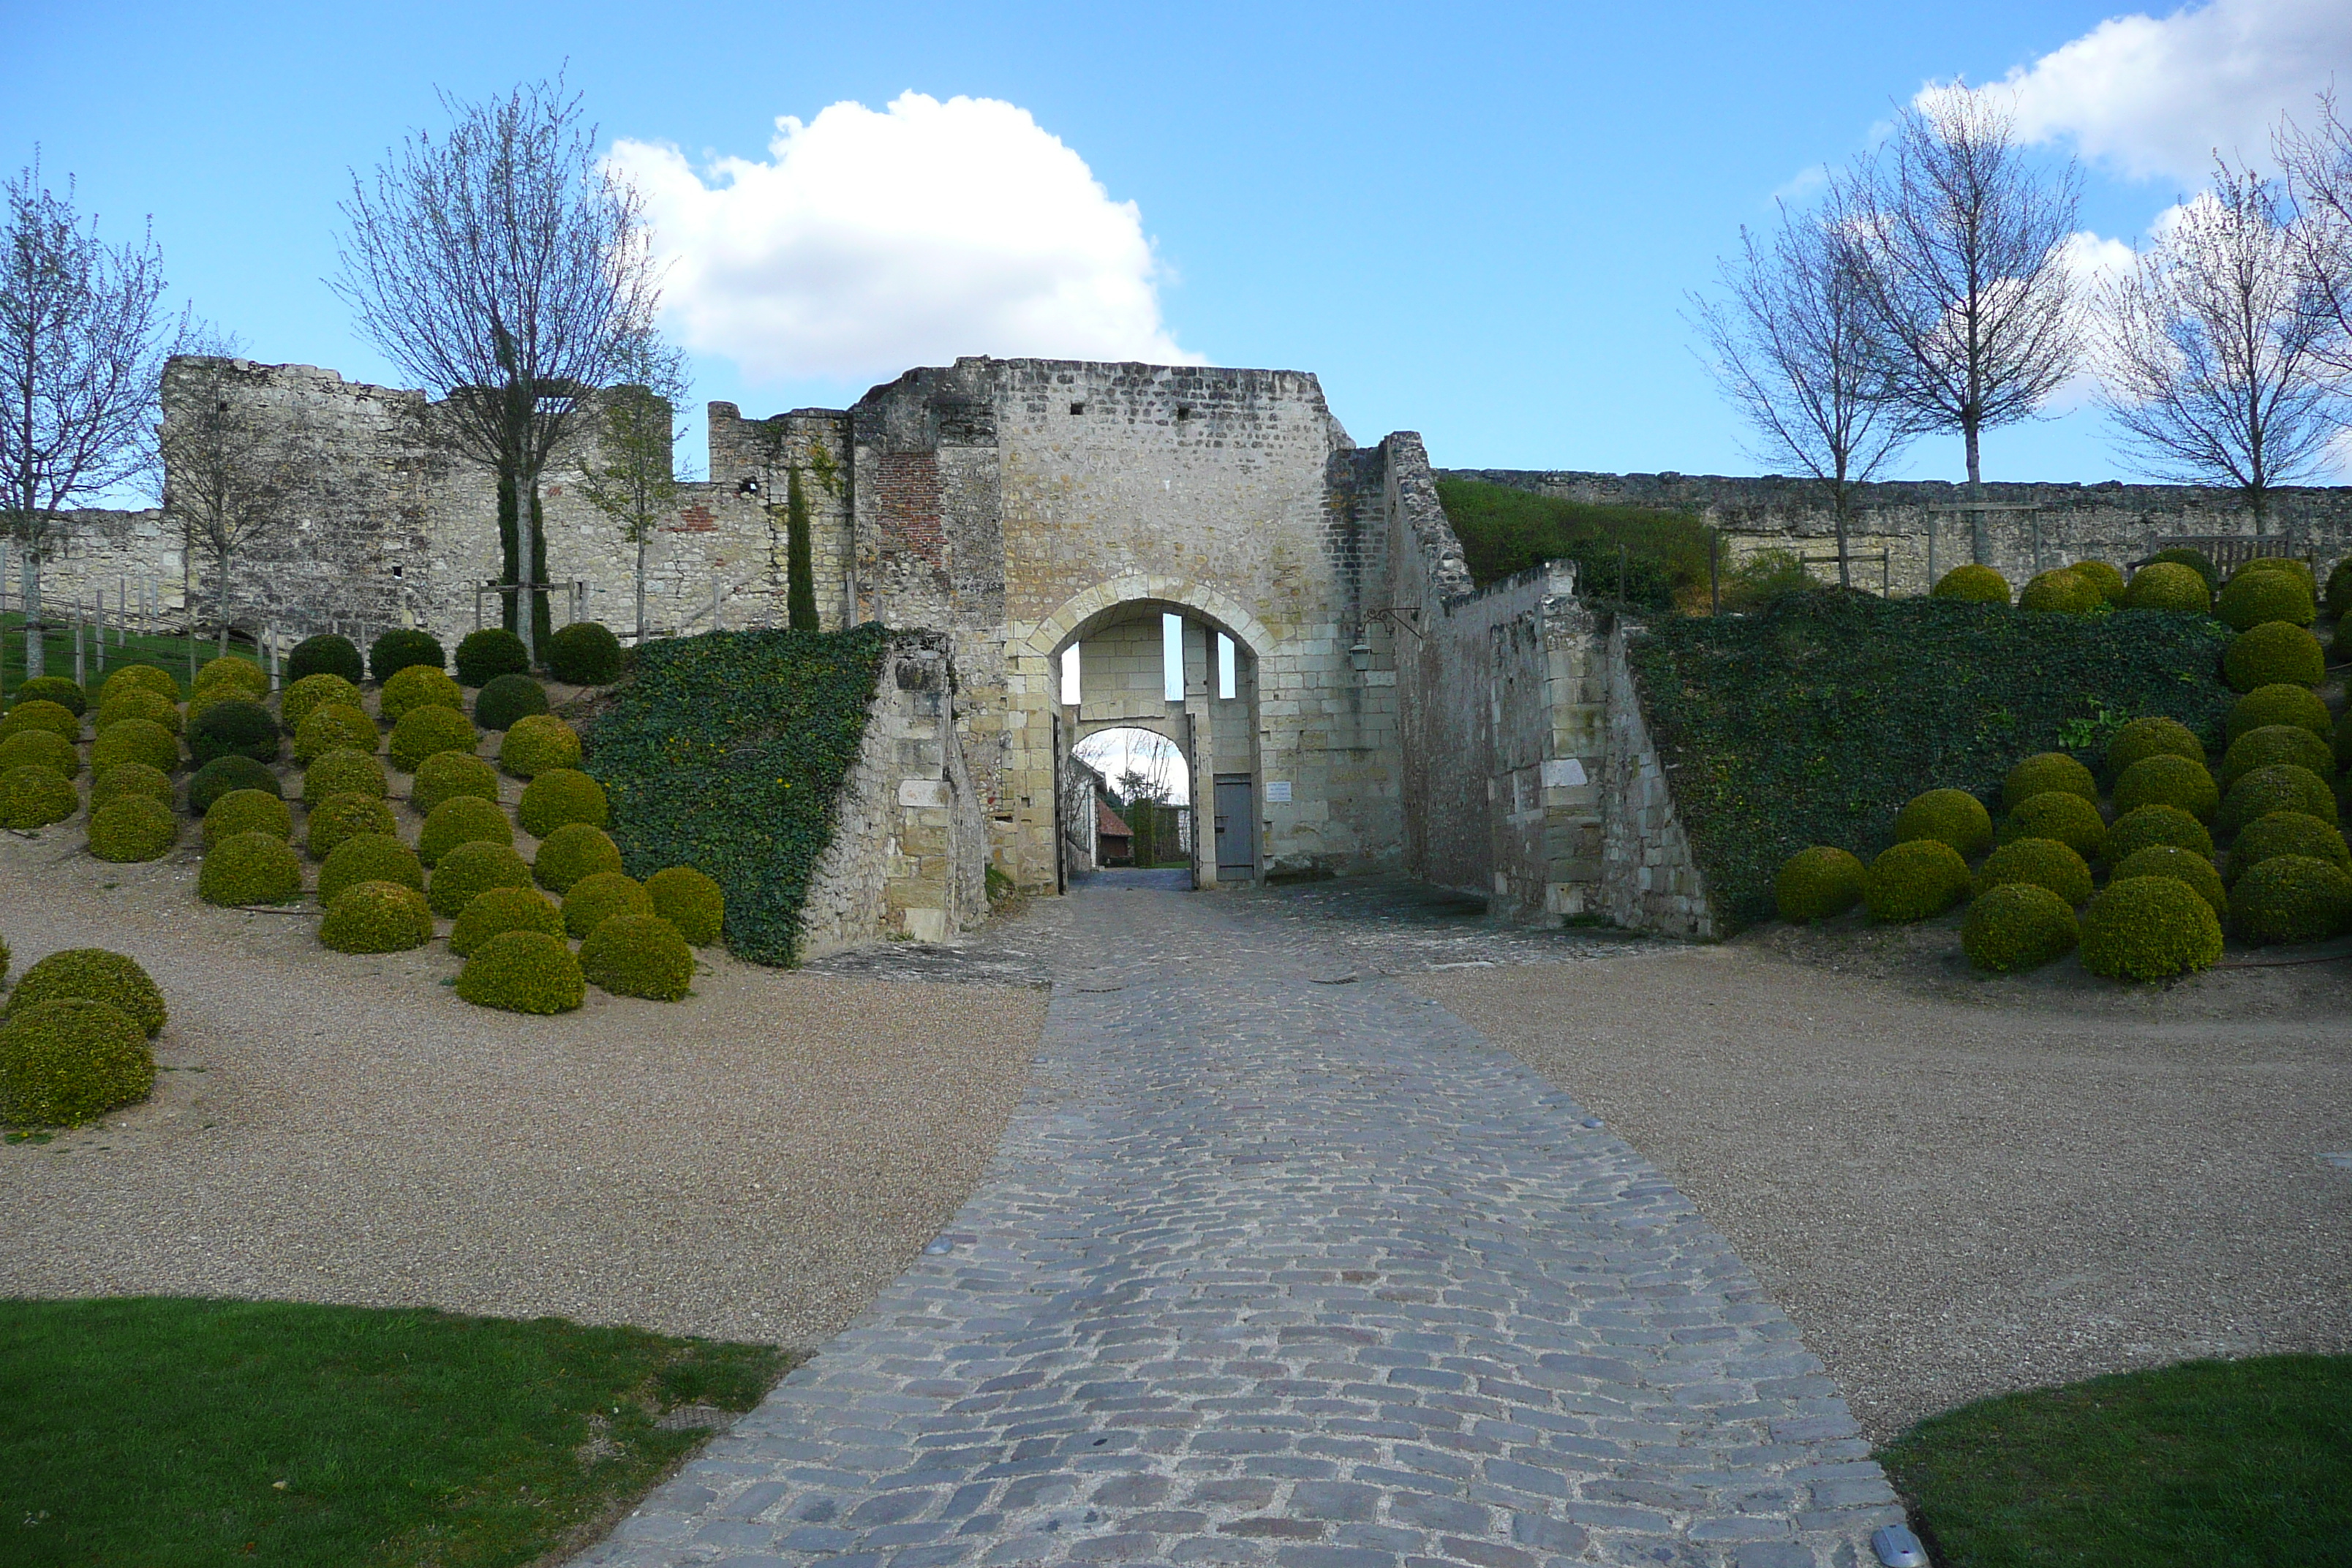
630, 475
229, 471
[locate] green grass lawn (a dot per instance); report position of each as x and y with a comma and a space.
2215, 1464
167, 1431
170, 653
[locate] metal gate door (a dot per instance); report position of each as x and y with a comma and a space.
1236, 829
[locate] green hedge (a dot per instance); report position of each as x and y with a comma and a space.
1505, 530
725, 753
1814, 720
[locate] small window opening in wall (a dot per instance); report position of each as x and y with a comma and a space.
395, 570
1077, 408
1070, 688
1183, 411
1224, 667
1172, 657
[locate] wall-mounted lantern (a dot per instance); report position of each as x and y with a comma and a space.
1360, 656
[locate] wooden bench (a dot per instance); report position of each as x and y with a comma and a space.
2228, 552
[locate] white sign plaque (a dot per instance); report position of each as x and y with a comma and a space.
1278, 792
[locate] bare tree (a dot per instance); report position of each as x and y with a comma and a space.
1963, 246
1790, 342
80, 353
2209, 350
229, 469
630, 472
2317, 164
503, 269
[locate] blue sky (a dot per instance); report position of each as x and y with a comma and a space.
1475, 222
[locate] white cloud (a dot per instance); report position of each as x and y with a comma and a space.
872, 241
2153, 98
2094, 262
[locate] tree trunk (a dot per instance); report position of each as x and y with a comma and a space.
220, 596
1978, 543
510, 561
35, 652
542, 623
1839, 507
641, 590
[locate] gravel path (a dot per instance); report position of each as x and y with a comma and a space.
755, 1163
1956, 1200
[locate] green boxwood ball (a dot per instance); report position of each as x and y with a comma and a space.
402, 649
2060, 592
327, 654
68, 1062
559, 797
2017, 925
2149, 928
139, 678
335, 726
523, 972
600, 896
250, 869
584, 653
2168, 585
369, 857
312, 692
2292, 898
2287, 833
2170, 861
2339, 587
471, 869
94, 974
2256, 598
344, 771
463, 819
2055, 814
42, 748
54, 717
2271, 653
483, 655
1952, 815
130, 779
1907, 882
2196, 560
133, 741
248, 811
447, 775
573, 851
500, 910
2043, 863
1978, 585
2281, 786
2152, 737
2299, 570
2344, 740
233, 727
2277, 743
235, 674
537, 743
418, 686
637, 955
424, 732
225, 775
34, 796
131, 829
137, 702
506, 699
2043, 772
55, 688
2167, 780
2100, 575
697, 908
2149, 825
337, 818
2282, 704
376, 917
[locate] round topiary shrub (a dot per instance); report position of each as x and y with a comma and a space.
2153, 737
64, 1063
2196, 560
1908, 883
2167, 780
345, 771
2292, 898
402, 649
2287, 833
2151, 825
2273, 652
2043, 772
234, 674
233, 727
2281, 786
43, 749
418, 686
463, 819
54, 717
573, 851
500, 910
2277, 743
131, 829
2017, 925
250, 869
326, 653
535, 744
133, 741
471, 869
2149, 928
139, 678
523, 972
483, 655
136, 702
34, 796
2282, 704
2256, 598
2170, 861
223, 775
447, 776
2344, 739
2339, 587
2043, 863
126, 779
2060, 592
56, 688
248, 811
584, 653
369, 857
2055, 814
334, 726
2299, 570
376, 917
424, 732
94, 974
508, 698
312, 692
603, 895
637, 955
559, 797
2104, 577
1977, 584
2168, 585
1953, 815
340, 817
697, 908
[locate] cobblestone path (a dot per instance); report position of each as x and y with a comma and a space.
1281, 1265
